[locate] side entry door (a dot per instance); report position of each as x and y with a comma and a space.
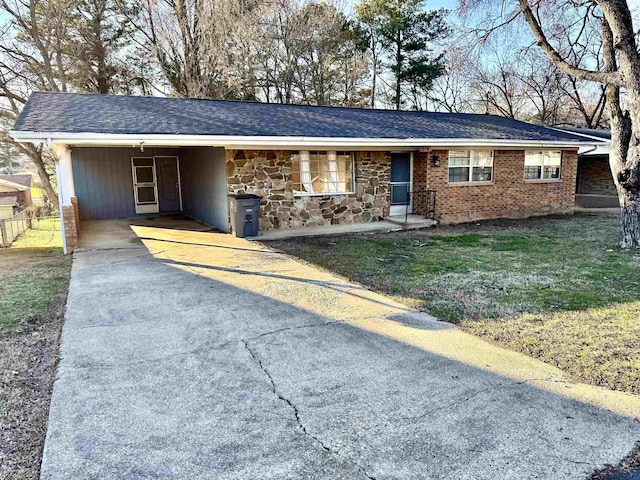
145, 185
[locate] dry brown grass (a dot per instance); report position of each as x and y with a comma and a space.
28, 360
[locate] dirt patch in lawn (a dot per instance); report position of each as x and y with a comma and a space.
28, 361
630, 463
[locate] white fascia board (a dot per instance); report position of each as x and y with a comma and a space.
238, 142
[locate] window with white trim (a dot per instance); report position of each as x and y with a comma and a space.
542, 164
470, 166
322, 172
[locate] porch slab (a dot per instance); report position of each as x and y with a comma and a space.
411, 222
373, 227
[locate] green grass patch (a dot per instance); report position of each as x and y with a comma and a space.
544, 286
34, 272
43, 234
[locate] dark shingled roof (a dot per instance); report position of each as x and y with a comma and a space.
80, 113
24, 180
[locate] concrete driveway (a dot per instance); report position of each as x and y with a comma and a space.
188, 354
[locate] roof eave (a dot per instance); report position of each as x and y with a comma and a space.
17, 186
232, 141
582, 134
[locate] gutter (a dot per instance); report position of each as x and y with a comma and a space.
271, 142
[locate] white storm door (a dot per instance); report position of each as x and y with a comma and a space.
145, 184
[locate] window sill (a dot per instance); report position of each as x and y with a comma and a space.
325, 194
543, 180
468, 184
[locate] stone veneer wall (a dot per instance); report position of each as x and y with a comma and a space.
509, 195
268, 174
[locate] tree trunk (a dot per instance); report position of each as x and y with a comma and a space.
624, 158
45, 180
624, 153
373, 81
35, 154
630, 220
398, 67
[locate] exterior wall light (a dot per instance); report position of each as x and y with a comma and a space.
436, 160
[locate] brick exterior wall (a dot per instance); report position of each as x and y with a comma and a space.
507, 196
268, 174
594, 176
76, 211
71, 224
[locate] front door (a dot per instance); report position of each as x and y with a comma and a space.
145, 189
400, 183
168, 184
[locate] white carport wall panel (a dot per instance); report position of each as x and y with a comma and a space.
66, 187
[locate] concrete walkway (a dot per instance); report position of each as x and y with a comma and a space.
194, 355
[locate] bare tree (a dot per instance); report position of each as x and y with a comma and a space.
555, 24
197, 44
309, 53
543, 88
371, 24
32, 57
587, 98
496, 87
621, 72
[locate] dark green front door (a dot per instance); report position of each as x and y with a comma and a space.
168, 184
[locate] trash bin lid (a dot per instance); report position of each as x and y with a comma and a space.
244, 196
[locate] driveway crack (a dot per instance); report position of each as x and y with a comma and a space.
294, 408
296, 327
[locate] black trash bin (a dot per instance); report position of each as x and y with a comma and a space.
244, 210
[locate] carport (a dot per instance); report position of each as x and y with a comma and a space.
114, 182
119, 182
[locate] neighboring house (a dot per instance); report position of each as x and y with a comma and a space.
122, 155
8, 207
15, 194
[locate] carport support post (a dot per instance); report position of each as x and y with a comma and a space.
66, 190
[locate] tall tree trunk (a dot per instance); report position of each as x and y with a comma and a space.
624, 155
35, 154
625, 166
630, 220
399, 68
374, 76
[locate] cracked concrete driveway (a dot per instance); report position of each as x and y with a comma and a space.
188, 354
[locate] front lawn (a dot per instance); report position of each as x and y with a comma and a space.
555, 288
34, 278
